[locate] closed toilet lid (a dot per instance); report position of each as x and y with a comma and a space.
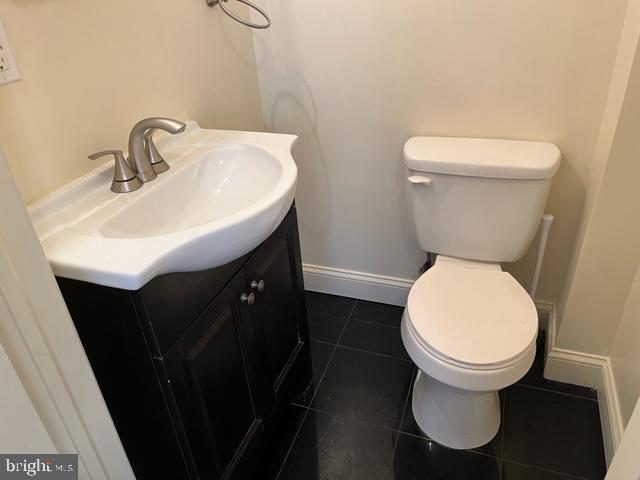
474, 317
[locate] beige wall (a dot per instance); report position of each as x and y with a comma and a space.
610, 253
92, 68
356, 85
611, 116
625, 355
601, 308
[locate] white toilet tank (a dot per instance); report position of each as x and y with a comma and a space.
478, 199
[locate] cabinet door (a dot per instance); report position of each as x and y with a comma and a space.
279, 309
213, 388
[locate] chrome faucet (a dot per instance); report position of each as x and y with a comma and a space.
142, 152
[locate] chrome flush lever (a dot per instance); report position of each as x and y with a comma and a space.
420, 180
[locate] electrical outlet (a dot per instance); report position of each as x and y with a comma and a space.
8, 69
4, 63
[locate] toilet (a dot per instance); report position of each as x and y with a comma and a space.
468, 325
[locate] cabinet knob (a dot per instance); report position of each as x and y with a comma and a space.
257, 285
249, 299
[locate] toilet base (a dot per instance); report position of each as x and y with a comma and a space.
455, 418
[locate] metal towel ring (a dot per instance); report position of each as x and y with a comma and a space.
213, 3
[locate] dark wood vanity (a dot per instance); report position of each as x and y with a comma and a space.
196, 368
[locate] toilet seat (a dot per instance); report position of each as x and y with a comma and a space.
471, 315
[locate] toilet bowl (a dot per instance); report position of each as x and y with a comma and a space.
471, 329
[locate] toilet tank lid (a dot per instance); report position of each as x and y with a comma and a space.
482, 157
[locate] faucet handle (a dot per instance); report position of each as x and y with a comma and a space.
157, 161
124, 179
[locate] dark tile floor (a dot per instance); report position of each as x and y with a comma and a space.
354, 422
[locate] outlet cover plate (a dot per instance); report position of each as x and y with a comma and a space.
9, 71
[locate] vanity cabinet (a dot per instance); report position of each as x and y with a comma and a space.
197, 368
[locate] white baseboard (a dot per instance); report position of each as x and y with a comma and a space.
592, 371
350, 283
372, 287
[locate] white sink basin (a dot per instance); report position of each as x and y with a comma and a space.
225, 193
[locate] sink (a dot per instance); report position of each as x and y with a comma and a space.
223, 181
225, 193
